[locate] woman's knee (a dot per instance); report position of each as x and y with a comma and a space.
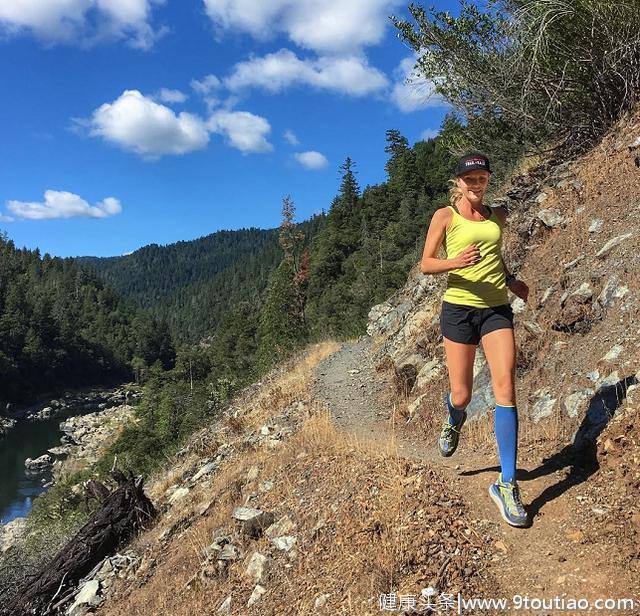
504, 389
460, 397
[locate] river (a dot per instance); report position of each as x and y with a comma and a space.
28, 439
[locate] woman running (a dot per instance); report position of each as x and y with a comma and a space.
475, 308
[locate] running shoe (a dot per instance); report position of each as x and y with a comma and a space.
506, 494
449, 436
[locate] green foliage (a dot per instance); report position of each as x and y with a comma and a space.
192, 285
531, 71
371, 240
173, 407
281, 328
60, 326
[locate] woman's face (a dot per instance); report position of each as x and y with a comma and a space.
474, 184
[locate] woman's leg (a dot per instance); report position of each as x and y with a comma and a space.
499, 347
500, 351
460, 358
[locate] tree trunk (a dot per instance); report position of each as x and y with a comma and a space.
124, 512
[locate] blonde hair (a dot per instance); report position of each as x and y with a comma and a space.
455, 192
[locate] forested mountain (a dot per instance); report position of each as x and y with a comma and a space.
358, 253
60, 326
191, 284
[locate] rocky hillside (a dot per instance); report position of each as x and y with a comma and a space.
320, 490
574, 238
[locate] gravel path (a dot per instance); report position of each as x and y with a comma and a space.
548, 559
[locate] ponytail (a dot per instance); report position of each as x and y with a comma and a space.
455, 193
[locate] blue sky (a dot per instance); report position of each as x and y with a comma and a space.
130, 122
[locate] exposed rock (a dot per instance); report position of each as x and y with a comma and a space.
205, 470
414, 406
428, 372
407, 369
61, 451
575, 401
6, 425
254, 521
551, 218
612, 243
11, 533
228, 552
546, 295
613, 353
596, 225
543, 407
518, 305
265, 486
573, 262
253, 473
89, 434
611, 290
576, 315
258, 591
178, 494
583, 293
225, 606
282, 527
533, 327
284, 543
256, 568
385, 317
541, 198
88, 596
38, 464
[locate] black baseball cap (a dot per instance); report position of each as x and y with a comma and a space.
472, 161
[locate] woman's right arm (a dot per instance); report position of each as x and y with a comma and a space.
430, 264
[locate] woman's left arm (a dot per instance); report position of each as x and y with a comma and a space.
517, 287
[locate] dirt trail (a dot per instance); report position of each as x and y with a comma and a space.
556, 556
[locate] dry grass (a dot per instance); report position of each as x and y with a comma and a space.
358, 533
360, 515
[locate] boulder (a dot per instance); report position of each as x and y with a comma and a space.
38, 464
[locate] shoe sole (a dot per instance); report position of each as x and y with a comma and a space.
496, 499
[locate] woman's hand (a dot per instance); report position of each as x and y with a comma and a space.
469, 256
519, 288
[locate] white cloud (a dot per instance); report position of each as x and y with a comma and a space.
312, 160
277, 71
167, 95
4, 218
139, 124
60, 204
412, 93
206, 85
429, 133
245, 131
290, 137
325, 26
81, 21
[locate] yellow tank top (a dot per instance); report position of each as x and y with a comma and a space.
481, 285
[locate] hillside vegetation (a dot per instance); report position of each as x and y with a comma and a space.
62, 327
276, 504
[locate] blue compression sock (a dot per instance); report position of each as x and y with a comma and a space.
455, 415
506, 429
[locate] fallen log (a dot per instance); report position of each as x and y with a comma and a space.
124, 512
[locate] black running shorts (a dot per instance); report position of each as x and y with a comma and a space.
468, 324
